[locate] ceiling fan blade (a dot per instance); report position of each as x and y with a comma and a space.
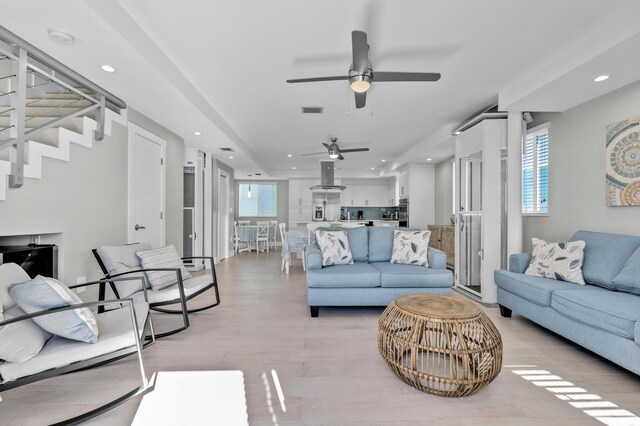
405, 76
361, 99
340, 157
309, 80
360, 50
313, 153
326, 145
355, 150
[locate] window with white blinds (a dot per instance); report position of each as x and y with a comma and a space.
535, 171
258, 200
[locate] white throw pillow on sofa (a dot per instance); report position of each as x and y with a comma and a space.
410, 247
559, 261
334, 246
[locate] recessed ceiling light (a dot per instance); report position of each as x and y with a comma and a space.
457, 133
428, 159
107, 68
197, 133
293, 168
601, 78
384, 161
289, 155
231, 157
373, 168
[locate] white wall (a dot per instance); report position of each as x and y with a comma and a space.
421, 195
577, 170
444, 192
85, 199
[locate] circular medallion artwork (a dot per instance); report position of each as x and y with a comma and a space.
623, 163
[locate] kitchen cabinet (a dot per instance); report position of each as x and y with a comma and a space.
300, 201
372, 194
403, 181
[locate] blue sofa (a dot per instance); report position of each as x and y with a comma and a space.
371, 280
603, 316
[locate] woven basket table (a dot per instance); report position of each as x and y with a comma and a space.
439, 344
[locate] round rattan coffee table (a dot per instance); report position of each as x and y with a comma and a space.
439, 344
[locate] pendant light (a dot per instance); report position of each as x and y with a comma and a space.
249, 192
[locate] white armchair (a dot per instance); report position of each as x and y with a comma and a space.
122, 332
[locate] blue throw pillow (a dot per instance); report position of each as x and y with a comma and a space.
42, 293
628, 280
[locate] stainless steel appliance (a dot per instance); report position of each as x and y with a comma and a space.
318, 213
403, 213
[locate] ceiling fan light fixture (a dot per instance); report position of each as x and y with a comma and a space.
360, 83
334, 154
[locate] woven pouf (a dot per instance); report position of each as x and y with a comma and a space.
439, 344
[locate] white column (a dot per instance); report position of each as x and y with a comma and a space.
514, 182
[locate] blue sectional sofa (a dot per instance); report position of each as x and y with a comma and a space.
371, 280
603, 316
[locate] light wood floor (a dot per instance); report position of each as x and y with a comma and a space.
329, 367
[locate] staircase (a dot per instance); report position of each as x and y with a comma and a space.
44, 108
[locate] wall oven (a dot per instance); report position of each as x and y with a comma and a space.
34, 259
403, 213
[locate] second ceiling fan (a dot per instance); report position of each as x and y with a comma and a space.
334, 150
361, 74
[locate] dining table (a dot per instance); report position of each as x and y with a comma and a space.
294, 241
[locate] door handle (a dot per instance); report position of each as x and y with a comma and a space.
138, 227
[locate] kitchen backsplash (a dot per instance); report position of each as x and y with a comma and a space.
370, 213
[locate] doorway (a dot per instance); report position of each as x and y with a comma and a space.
223, 215
146, 187
470, 224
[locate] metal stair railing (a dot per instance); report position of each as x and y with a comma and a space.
28, 78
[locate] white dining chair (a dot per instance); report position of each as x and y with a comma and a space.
283, 229
273, 232
262, 234
236, 238
244, 222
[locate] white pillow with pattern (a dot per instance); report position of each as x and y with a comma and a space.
165, 257
559, 261
334, 246
410, 247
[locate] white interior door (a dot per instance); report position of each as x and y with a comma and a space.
223, 216
146, 221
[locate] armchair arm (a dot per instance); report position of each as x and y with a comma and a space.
313, 257
106, 281
519, 262
437, 259
176, 270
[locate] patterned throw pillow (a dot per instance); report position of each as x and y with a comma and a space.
42, 293
165, 257
559, 261
410, 247
335, 248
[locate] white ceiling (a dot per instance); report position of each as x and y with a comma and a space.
220, 68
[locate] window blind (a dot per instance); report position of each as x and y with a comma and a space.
258, 200
535, 171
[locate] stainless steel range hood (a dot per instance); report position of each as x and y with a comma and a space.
326, 178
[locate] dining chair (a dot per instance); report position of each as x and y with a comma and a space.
244, 222
273, 232
262, 234
283, 235
242, 238
236, 238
